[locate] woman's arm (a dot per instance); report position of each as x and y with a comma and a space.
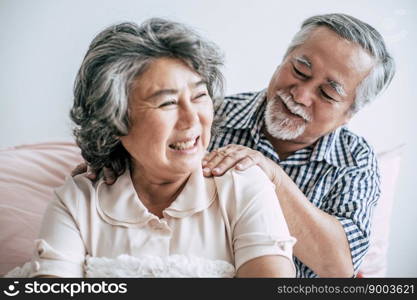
267, 266
59, 249
261, 240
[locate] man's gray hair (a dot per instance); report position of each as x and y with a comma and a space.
368, 38
115, 58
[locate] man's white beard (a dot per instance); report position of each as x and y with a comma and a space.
279, 125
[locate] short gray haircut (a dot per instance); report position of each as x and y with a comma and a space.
368, 38
115, 58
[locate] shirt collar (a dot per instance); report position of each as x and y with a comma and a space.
119, 203
249, 112
333, 149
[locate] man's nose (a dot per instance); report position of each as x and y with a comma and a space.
303, 94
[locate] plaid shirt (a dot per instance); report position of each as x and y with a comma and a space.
338, 174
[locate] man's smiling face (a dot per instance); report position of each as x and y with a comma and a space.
312, 91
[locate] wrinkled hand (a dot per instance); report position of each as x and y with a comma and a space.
109, 176
219, 161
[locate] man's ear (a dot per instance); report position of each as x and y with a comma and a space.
347, 118
348, 115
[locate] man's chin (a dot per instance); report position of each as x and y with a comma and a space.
281, 125
285, 134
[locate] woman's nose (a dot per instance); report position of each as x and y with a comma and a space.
188, 116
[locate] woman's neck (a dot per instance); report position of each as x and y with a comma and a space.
157, 193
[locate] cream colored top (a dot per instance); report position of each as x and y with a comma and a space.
235, 218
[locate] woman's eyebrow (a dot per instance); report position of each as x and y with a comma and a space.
170, 92
199, 83
162, 92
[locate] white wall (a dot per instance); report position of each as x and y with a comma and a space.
43, 42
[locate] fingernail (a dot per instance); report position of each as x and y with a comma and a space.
216, 170
206, 170
239, 166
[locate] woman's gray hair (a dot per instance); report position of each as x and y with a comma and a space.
368, 38
117, 56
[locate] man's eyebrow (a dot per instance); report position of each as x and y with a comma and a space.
337, 87
304, 60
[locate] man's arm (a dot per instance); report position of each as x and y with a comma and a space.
322, 244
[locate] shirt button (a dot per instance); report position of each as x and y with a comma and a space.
153, 223
156, 225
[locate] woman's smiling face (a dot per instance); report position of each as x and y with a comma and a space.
171, 113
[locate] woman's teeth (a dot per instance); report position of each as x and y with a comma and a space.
183, 145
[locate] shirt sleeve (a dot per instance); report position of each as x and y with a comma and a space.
352, 201
258, 225
59, 250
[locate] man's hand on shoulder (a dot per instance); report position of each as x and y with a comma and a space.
219, 161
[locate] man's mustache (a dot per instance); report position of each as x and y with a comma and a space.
292, 106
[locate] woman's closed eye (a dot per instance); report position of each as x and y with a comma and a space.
173, 102
201, 96
168, 103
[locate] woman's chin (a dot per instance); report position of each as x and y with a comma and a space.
190, 163
185, 168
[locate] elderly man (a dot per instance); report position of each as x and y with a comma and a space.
326, 177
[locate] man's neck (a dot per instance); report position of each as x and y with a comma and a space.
284, 148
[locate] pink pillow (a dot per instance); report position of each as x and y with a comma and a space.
28, 175
375, 261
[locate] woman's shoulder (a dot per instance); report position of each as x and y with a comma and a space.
75, 190
94, 202
250, 179
75, 185
242, 187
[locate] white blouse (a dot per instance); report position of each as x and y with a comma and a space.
234, 218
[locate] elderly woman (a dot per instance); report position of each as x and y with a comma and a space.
143, 107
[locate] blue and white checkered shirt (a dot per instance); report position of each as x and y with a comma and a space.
338, 174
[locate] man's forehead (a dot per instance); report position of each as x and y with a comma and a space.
340, 60
350, 53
